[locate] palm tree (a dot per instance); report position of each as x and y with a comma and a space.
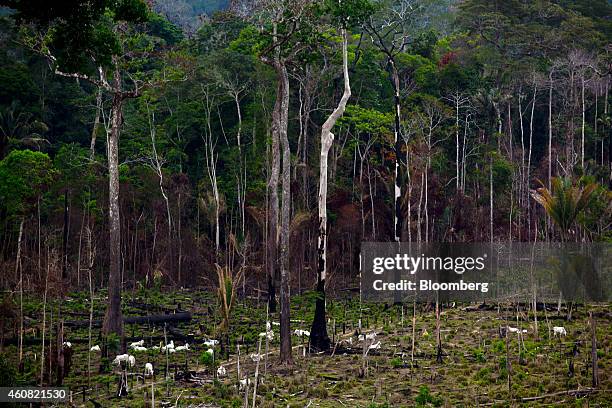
564, 203
18, 127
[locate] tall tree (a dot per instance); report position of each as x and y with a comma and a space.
93, 41
390, 29
341, 11
285, 26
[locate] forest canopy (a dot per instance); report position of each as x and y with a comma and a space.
273, 137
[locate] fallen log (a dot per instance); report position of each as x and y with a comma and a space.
151, 319
576, 393
177, 334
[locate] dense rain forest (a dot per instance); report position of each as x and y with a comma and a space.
185, 186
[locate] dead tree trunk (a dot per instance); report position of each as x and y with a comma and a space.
319, 339
397, 214
96, 125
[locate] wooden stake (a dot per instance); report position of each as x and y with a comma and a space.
594, 350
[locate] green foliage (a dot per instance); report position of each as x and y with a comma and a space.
479, 355
113, 342
565, 202
79, 31
24, 174
207, 359
498, 346
348, 13
425, 398
396, 362
366, 121
220, 390
7, 372
483, 376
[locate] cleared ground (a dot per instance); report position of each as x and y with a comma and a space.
544, 370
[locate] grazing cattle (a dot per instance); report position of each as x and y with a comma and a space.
267, 334
301, 333
182, 348
371, 336
95, 348
148, 370
221, 371
129, 359
169, 347
244, 382
559, 331
137, 344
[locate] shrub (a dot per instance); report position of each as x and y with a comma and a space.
479, 355
396, 362
424, 398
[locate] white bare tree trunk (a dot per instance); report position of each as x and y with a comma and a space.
318, 335
157, 166
211, 167
528, 177
457, 142
550, 131
96, 125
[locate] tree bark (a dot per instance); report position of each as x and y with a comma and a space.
285, 330
96, 125
273, 200
319, 340
113, 319
550, 131
397, 191
583, 122
65, 238
19, 274
594, 351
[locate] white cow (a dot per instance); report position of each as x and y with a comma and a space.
137, 344
370, 336
95, 348
182, 348
513, 329
129, 359
559, 331
244, 382
221, 371
148, 371
169, 347
267, 334
301, 333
